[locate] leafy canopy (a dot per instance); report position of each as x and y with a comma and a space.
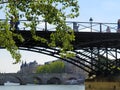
54, 12
53, 67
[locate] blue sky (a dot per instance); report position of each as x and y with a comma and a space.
99, 10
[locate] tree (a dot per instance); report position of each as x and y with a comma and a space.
51, 11
57, 67
54, 67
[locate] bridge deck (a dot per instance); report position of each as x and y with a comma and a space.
82, 39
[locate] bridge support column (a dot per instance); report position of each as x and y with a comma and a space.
106, 51
117, 62
45, 26
91, 49
100, 27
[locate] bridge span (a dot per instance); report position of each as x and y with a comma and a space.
33, 78
89, 47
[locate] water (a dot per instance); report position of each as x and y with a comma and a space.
42, 87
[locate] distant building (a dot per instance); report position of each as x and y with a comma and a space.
28, 67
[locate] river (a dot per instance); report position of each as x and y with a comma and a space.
42, 87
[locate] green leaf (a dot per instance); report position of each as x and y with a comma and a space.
52, 11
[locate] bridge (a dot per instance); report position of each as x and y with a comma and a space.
97, 50
89, 48
33, 78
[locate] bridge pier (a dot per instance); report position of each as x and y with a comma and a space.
1, 83
103, 83
23, 83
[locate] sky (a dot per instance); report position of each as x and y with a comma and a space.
99, 10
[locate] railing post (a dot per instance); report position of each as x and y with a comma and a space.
91, 23
100, 27
45, 25
75, 26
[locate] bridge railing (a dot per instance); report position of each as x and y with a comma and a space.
76, 26
93, 27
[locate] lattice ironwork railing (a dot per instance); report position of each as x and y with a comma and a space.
76, 26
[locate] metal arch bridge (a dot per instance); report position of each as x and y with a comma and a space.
89, 48
92, 43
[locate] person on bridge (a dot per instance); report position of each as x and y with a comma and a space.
11, 23
14, 22
108, 29
118, 27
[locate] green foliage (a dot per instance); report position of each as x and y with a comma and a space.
54, 67
107, 66
7, 40
52, 11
